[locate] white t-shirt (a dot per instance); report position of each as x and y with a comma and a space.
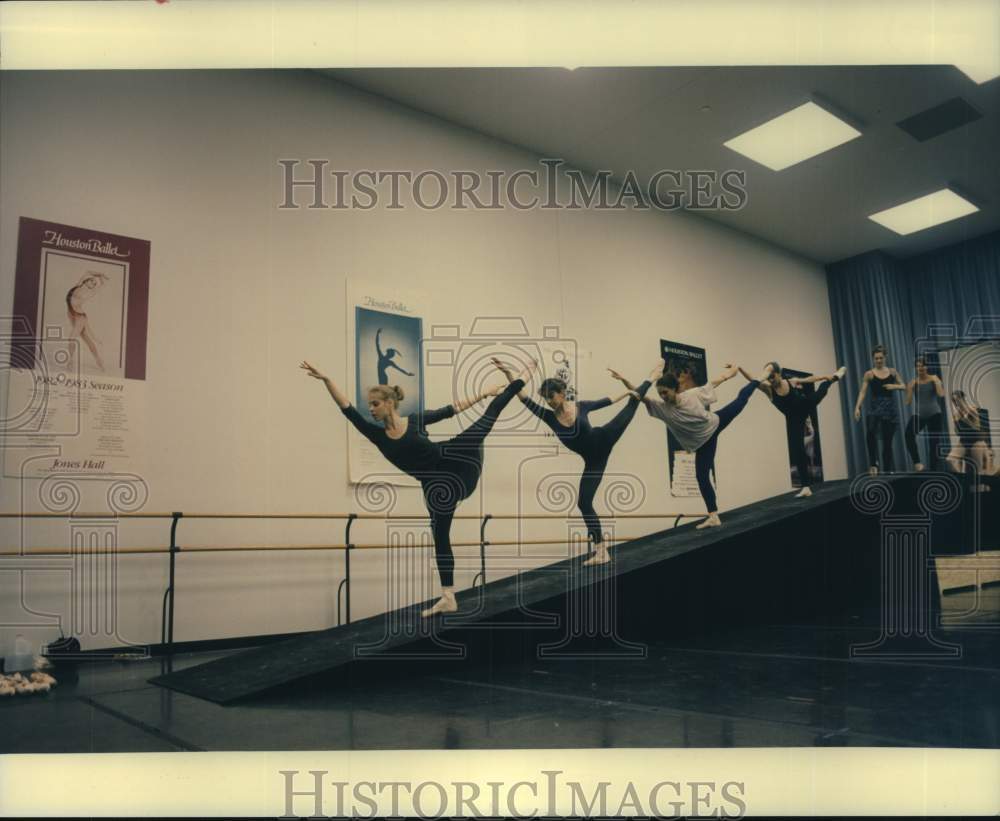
690, 419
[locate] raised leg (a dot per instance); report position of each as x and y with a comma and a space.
474, 435
733, 409
613, 430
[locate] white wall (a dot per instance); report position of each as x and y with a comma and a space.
241, 292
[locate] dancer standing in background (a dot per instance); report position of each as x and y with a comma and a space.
448, 471
570, 422
86, 289
974, 439
796, 405
923, 392
697, 428
883, 417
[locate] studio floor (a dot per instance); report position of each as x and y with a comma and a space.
765, 686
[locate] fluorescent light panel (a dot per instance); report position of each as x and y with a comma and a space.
916, 215
793, 137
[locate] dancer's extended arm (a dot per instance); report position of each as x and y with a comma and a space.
762, 384
725, 376
368, 429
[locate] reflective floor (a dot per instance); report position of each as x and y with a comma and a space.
765, 686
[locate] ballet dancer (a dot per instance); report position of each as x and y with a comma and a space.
448, 471
570, 422
796, 405
926, 389
697, 428
86, 289
385, 360
882, 418
973, 431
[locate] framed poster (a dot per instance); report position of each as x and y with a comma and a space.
77, 353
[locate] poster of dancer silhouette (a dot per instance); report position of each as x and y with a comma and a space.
814, 453
77, 351
385, 331
689, 365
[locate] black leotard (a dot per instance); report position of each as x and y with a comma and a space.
448, 471
594, 444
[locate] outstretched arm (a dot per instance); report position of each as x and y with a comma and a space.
762, 384
725, 376
464, 404
367, 429
808, 380
335, 392
509, 373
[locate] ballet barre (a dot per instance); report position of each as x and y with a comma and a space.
343, 598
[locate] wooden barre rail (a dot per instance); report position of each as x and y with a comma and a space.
334, 516
57, 551
347, 547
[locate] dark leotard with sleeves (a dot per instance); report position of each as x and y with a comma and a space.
448, 471
413, 452
594, 444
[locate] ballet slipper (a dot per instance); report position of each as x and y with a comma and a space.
600, 557
805, 493
840, 372
446, 604
712, 521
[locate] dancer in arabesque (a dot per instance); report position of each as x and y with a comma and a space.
697, 428
448, 471
570, 421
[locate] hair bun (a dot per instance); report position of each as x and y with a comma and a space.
399, 393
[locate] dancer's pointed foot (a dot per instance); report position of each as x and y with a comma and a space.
446, 604
840, 372
712, 521
600, 556
804, 493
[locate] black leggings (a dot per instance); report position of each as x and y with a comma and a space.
883, 427
934, 426
796, 426
704, 457
456, 477
600, 443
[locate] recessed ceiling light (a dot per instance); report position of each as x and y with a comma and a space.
793, 137
916, 215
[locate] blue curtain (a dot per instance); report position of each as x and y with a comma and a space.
868, 308
953, 292
956, 285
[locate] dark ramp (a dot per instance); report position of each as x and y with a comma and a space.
779, 561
